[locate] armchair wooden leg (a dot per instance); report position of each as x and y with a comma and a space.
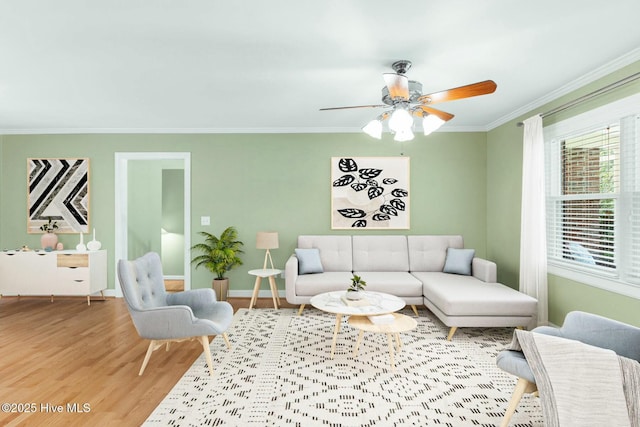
301, 308
207, 352
523, 386
150, 349
226, 340
451, 332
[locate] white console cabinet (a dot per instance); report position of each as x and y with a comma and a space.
53, 273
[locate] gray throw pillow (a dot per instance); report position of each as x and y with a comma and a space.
459, 261
309, 261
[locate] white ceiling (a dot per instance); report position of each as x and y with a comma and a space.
268, 66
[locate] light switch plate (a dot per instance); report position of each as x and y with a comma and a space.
205, 220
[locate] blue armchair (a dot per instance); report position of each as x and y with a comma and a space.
587, 328
169, 317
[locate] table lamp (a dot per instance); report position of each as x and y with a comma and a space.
267, 240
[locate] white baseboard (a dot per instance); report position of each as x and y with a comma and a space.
238, 293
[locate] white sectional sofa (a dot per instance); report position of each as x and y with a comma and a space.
421, 269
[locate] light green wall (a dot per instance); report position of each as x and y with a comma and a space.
504, 172
263, 182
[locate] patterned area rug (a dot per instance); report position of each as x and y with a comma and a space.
279, 372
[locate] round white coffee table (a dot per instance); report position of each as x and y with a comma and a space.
373, 303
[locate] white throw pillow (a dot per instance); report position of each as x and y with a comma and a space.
309, 261
459, 261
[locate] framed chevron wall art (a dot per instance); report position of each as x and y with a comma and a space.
58, 189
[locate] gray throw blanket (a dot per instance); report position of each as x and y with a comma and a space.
579, 384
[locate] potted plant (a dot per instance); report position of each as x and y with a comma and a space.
219, 255
354, 292
49, 239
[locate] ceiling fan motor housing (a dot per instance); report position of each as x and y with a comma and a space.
415, 91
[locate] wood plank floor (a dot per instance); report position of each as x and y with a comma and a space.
65, 353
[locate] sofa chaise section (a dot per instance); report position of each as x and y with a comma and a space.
474, 300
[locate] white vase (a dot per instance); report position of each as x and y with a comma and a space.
354, 295
94, 245
80, 247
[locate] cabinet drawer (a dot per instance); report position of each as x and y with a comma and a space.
73, 260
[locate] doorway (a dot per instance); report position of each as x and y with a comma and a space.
152, 202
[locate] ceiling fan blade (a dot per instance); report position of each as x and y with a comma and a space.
475, 89
397, 84
355, 106
443, 115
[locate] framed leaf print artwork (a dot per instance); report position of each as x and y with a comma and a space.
370, 192
58, 189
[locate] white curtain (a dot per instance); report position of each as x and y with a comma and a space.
533, 233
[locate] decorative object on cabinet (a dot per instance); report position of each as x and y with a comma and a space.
370, 192
94, 245
219, 255
58, 189
81, 247
49, 239
65, 273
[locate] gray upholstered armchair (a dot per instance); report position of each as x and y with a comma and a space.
586, 328
165, 317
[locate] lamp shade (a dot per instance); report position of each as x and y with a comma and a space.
267, 240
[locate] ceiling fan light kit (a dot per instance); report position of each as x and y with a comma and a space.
404, 100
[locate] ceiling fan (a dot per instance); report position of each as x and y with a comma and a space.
403, 100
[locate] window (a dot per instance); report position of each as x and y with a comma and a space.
593, 197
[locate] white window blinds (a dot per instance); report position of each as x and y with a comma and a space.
593, 193
582, 208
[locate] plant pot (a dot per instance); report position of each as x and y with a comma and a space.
354, 295
221, 288
48, 241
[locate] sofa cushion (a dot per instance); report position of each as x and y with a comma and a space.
380, 253
398, 283
428, 253
457, 295
335, 251
459, 261
309, 261
314, 284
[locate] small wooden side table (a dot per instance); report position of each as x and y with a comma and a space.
401, 323
270, 273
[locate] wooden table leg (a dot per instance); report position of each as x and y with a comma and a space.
335, 333
274, 292
391, 360
398, 342
256, 289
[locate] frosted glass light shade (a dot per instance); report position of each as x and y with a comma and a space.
373, 129
430, 123
400, 120
267, 240
404, 135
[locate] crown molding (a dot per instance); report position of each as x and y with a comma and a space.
76, 131
600, 72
